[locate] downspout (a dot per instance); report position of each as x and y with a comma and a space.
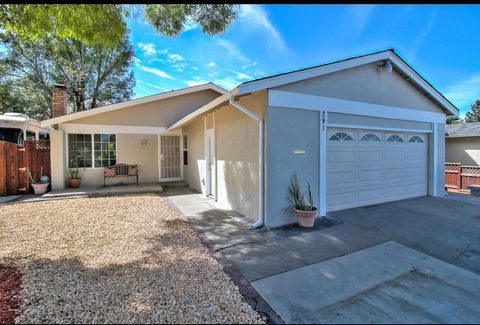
260, 222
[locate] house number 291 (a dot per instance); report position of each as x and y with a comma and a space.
324, 119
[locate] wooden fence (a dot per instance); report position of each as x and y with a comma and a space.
458, 177
14, 161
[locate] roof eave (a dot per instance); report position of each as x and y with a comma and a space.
295, 76
133, 102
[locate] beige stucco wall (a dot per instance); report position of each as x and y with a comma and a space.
129, 151
463, 150
237, 137
366, 83
162, 113
194, 172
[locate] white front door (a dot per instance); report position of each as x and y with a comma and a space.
209, 162
170, 168
367, 167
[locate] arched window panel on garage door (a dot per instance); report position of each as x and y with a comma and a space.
416, 138
394, 138
341, 136
373, 137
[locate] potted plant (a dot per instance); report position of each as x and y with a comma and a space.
302, 203
74, 180
40, 183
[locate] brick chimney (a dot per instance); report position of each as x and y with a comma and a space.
59, 100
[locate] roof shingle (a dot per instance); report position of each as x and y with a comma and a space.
462, 130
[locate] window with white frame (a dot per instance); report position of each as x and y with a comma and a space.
91, 150
79, 150
185, 150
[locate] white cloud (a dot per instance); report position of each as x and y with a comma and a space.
245, 66
210, 64
240, 75
156, 87
176, 57
464, 93
155, 71
232, 50
194, 68
255, 16
147, 48
421, 36
361, 17
228, 83
191, 83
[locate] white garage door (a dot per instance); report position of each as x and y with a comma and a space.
369, 167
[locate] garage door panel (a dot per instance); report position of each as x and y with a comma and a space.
394, 155
341, 156
370, 156
363, 173
369, 175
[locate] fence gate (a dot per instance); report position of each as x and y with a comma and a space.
14, 161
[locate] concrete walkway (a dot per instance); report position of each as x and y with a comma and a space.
355, 265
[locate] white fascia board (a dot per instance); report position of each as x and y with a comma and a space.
132, 102
103, 128
308, 73
462, 136
422, 83
278, 98
202, 110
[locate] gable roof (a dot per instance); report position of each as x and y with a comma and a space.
134, 102
401, 66
462, 130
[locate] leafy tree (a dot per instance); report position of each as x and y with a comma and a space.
454, 120
170, 19
104, 24
94, 75
474, 114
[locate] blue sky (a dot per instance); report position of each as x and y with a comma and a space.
442, 42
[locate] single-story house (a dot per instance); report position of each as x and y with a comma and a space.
361, 131
462, 143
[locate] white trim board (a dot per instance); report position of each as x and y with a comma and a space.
397, 62
369, 127
287, 99
133, 102
104, 128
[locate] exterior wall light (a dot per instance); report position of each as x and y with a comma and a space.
144, 142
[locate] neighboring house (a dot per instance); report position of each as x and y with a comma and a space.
361, 131
462, 143
17, 127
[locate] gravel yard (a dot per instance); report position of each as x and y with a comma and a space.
125, 259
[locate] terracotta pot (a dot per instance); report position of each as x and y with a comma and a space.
306, 219
74, 182
40, 188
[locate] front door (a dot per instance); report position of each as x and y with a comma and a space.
170, 168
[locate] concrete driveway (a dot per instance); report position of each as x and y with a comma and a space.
408, 261
423, 268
